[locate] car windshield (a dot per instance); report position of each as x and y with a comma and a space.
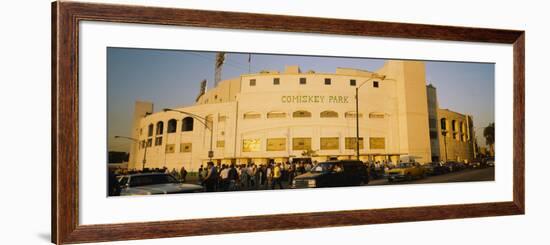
155, 179
123, 180
323, 167
404, 165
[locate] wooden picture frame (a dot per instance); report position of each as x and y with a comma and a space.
65, 121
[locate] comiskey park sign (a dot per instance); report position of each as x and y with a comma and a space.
333, 99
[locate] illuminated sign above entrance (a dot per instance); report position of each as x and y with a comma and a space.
332, 99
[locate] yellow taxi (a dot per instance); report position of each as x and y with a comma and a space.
405, 171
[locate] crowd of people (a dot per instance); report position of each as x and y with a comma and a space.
234, 177
251, 176
378, 168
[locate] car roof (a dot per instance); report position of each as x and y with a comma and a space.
144, 174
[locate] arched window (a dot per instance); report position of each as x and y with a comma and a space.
301, 114
443, 124
276, 114
172, 126
187, 124
352, 114
453, 125
376, 115
150, 130
160, 127
331, 114
251, 115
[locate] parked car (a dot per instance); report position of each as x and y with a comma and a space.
474, 164
455, 166
490, 162
154, 183
405, 171
435, 168
333, 174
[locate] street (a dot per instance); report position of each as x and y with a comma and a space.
466, 175
483, 174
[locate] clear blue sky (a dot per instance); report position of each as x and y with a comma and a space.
170, 78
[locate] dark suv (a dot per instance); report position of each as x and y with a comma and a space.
333, 174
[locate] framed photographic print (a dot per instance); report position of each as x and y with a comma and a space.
174, 122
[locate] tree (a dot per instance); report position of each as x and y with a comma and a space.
489, 134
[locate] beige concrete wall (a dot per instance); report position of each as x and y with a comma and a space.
157, 157
395, 111
412, 106
226, 91
457, 145
141, 108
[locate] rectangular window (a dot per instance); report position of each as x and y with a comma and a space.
186, 147
350, 143
352, 114
276, 115
327, 81
375, 84
276, 144
150, 131
276, 81
352, 82
220, 143
376, 115
303, 80
158, 141
252, 82
170, 148
251, 115
251, 145
330, 143
301, 144
376, 143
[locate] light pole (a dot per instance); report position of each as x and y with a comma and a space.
201, 120
444, 132
137, 141
357, 115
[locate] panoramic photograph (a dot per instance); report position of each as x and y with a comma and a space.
185, 121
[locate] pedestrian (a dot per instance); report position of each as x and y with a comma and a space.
205, 171
114, 185
252, 175
232, 177
211, 178
277, 177
269, 177
200, 173
174, 173
290, 173
224, 178
183, 174
244, 177
307, 168
259, 176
